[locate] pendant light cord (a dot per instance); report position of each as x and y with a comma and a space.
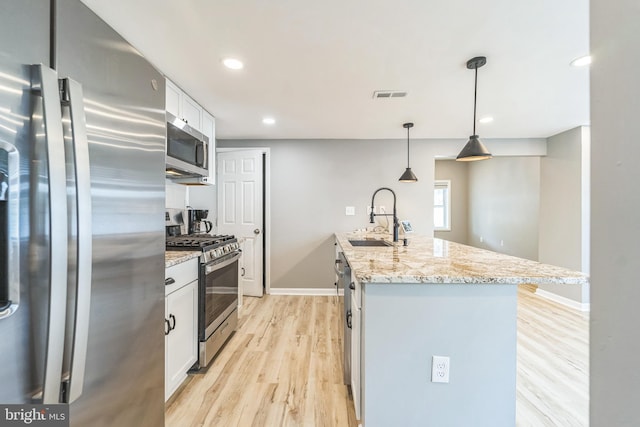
475, 96
408, 146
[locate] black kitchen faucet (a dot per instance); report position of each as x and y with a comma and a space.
396, 225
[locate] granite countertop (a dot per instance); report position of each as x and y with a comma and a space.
432, 260
172, 258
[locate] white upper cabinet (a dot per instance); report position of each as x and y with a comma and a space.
173, 99
191, 112
183, 106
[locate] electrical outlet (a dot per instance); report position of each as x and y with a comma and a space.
501, 242
481, 239
350, 210
440, 369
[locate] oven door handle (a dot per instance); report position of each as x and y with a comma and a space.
217, 266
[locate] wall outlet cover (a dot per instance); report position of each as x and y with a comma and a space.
440, 369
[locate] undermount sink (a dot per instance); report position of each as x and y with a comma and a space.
369, 242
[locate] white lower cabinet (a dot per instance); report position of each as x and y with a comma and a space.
181, 325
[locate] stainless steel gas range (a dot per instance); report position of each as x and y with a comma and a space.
217, 288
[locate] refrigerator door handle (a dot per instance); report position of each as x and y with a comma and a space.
10, 194
45, 84
72, 96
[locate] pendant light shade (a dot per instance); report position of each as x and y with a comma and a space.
408, 175
474, 149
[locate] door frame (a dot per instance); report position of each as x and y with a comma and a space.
266, 151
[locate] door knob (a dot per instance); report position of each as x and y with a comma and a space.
256, 231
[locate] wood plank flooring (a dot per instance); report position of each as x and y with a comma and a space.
553, 363
283, 367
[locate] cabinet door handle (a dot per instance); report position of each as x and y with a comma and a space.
172, 317
167, 327
242, 271
349, 316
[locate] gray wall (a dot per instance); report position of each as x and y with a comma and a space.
504, 200
311, 184
615, 209
312, 181
561, 239
458, 174
404, 325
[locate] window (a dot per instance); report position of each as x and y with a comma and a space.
442, 205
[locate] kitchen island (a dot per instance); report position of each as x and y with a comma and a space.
437, 298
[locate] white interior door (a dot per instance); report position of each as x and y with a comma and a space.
240, 212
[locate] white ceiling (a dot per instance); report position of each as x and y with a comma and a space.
313, 65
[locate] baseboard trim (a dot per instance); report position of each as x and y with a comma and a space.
582, 306
320, 292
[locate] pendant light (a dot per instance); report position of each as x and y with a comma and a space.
475, 149
408, 175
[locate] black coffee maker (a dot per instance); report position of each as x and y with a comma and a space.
197, 222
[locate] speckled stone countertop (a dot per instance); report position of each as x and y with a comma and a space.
431, 260
172, 258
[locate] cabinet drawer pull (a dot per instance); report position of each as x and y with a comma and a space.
167, 327
169, 281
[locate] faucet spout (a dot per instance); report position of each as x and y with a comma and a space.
396, 224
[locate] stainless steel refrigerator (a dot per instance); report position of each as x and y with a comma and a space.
81, 217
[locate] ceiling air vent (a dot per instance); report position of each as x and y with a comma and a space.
389, 94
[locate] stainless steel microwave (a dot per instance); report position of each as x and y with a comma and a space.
187, 150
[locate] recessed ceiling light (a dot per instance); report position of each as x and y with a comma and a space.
269, 121
582, 61
233, 64
486, 120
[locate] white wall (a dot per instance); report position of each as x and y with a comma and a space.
615, 209
458, 174
176, 196
504, 200
563, 189
205, 197
179, 196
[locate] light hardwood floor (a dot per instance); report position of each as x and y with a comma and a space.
553, 363
283, 367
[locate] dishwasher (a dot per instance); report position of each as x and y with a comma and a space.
343, 270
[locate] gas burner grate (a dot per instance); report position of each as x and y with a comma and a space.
198, 242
